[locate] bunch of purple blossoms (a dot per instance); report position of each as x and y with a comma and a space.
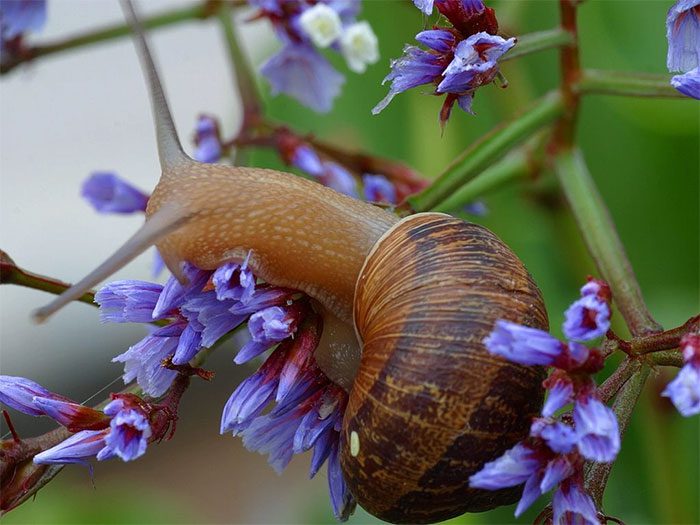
123, 429
305, 27
683, 34
554, 453
460, 59
16, 18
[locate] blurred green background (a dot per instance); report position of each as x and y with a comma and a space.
644, 156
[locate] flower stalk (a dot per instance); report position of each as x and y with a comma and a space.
623, 83
539, 41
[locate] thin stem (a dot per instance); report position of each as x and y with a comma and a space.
539, 41
200, 11
665, 340
602, 240
612, 385
245, 79
596, 81
10, 273
570, 64
667, 358
598, 474
518, 165
488, 149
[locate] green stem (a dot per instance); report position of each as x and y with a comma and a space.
667, 358
10, 273
596, 81
487, 150
598, 473
250, 99
516, 166
175, 16
602, 240
534, 42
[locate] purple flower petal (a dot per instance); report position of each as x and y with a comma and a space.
302, 73
587, 318
571, 505
306, 159
560, 395
684, 391
341, 500
531, 491
108, 193
128, 435
338, 178
19, 393
424, 5
560, 438
128, 301
555, 472
688, 84
174, 294
21, 16
597, 430
514, 467
378, 189
683, 35
75, 449
440, 40
523, 345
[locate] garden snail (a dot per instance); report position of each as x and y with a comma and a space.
427, 405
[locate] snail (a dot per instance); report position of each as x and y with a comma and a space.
406, 304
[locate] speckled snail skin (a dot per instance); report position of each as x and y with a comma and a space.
428, 406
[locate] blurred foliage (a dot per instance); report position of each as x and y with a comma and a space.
643, 155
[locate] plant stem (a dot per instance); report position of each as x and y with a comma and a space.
602, 240
598, 473
10, 273
517, 165
245, 79
539, 41
612, 385
487, 150
174, 16
667, 358
570, 64
596, 81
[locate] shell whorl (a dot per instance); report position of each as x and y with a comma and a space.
429, 405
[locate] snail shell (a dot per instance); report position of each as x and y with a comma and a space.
429, 405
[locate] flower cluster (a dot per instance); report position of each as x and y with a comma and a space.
308, 407
207, 139
459, 59
305, 27
554, 453
16, 18
683, 34
684, 390
122, 429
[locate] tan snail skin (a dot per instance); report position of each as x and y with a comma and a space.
406, 305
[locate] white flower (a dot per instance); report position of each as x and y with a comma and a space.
358, 44
322, 24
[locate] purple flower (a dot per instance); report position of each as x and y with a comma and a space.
19, 393
108, 193
143, 361
128, 434
338, 178
207, 140
440, 40
249, 400
76, 449
424, 5
234, 281
683, 34
128, 301
262, 298
71, 415
586, 319
597, 430
572, 505
523, 345
302, 73
174, 293
414, 68
341, 500
379, 189
210, 317
684, 390
688, 83
560, 438
561, 393
268, 327
477, 208
474, 63
21, 16
514, 467
306, 159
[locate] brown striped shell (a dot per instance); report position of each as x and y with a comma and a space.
429, 405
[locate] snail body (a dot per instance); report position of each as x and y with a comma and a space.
428, 406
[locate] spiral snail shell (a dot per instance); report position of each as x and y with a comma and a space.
428, 406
